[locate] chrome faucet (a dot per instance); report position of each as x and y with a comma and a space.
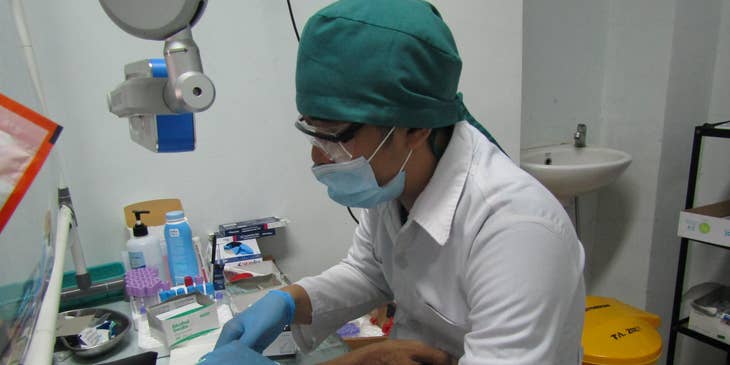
580, 135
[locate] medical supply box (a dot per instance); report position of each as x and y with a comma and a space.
252, 227
182, 318
232, 249
709, 223
710, 314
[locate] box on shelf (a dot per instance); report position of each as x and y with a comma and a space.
709, 223
252, 226
182, 318
231, 249
710, 314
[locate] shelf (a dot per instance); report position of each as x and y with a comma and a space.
721, 130
710, 131
682, 328
718, 245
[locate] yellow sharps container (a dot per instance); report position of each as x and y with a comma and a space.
615, 333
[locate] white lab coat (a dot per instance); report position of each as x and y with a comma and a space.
487, 267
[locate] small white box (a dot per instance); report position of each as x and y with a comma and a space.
283, 345
709, 223
173, 323
708, 316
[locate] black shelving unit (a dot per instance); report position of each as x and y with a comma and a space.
679, 325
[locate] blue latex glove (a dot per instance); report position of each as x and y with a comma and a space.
234, 353
259, 325
239, 248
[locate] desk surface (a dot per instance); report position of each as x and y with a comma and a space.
329, 349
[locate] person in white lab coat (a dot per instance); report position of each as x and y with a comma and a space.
482, 261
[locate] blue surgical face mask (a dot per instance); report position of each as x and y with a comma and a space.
353, 184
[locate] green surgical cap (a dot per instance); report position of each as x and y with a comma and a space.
380, 62
383, 62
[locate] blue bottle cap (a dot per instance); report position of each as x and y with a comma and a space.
175, 214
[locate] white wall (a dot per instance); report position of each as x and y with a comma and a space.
715, 177
489, 37
21, 240
634, 97
564, 46
249, 161
693, 57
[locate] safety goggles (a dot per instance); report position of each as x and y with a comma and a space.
328, 130
329, 137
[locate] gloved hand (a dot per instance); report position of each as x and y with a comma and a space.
259, 325
234, 353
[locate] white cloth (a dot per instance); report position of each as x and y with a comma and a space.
487, 267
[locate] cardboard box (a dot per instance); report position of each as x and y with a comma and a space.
252, 226
355, 343
226, 252
709, 223
380, 315
173, 323
709, 316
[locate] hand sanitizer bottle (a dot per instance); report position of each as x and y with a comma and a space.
143, 248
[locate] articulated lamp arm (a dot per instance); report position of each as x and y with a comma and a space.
151, 89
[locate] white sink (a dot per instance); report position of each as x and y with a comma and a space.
568, 171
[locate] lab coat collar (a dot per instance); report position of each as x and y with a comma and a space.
435, 207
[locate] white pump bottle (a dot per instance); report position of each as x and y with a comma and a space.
144, 249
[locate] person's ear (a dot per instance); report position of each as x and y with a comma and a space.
417, 137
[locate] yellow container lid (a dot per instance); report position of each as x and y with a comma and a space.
599, 309
615, 333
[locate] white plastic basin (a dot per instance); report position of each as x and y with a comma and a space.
568, 171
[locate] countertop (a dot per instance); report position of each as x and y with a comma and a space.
331, 348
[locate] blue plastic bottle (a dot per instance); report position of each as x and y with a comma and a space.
180, 252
